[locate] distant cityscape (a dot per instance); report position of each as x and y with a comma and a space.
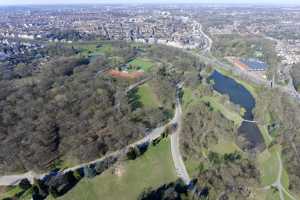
175, 25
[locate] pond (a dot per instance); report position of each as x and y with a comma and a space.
239, 95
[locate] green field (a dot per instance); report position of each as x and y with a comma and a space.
13, 191
268, 164
147, 96
141, 64
267, 138
95, 48
192, 167
215, 101
218, 106
187, 97
152, 169
225, 147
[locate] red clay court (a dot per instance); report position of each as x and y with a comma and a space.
127, 75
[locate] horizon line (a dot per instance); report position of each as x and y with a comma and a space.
149, 3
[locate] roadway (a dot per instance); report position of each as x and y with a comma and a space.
175, 147
209, 42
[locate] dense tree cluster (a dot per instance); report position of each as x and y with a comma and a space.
70, 110
295, 73
281, 114
229, 179
20, 65
172, 191
228, 175
203, 127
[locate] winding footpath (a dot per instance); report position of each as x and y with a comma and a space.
175, 149
278, 184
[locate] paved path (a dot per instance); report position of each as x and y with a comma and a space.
137, 84
278, 184
251, 121
175, 149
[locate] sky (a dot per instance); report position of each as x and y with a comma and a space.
22, 2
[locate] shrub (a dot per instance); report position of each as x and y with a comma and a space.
25, 184
89, 172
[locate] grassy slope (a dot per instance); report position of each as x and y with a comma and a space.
190, 98
26, 195
215, 101
225, 147
147, 96
229, 114
152, 169
91, 48
268, 165
141, 63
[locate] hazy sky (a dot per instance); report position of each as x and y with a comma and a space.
16, 2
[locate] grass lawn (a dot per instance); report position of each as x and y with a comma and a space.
192, 167
272, 195
152, 169
267, 138
141, 63
225, 147
11, 192
95, 48
147, 96
229, 114
187, 97
269, 166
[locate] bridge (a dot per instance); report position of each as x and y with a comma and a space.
251, 121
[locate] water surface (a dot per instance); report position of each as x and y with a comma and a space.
239, 95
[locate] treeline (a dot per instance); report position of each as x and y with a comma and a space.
247, 47
295, 73
220, 176
280, 113
71, 111
176, 190
27, 64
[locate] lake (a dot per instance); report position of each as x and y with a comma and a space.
239, 95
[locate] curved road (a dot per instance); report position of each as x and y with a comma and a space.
208, 39
176, 155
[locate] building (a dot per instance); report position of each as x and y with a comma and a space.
254, 64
